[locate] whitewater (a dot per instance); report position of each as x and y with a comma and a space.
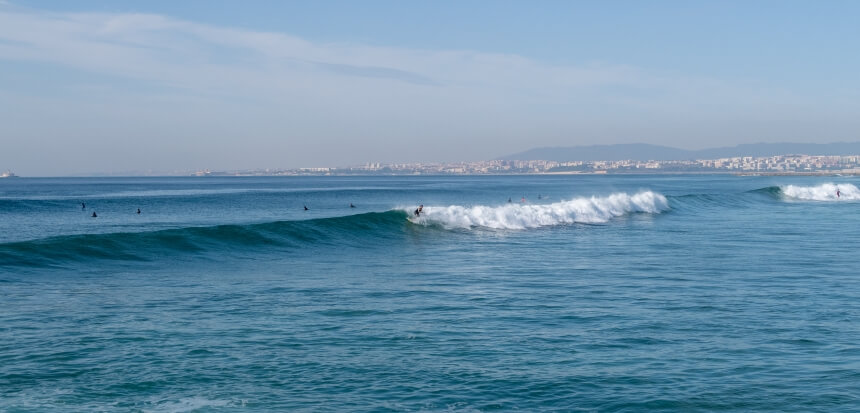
590, 210
823, 192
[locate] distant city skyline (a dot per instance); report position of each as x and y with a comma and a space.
99, 86
779, 164
845, 163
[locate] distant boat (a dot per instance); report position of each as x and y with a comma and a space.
8, 174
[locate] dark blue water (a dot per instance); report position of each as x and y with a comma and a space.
584, 293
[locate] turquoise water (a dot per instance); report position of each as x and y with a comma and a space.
585, 293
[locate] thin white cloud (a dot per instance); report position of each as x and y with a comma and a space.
187, 54
157, 83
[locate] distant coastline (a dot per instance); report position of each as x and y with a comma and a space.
783, 165
742, 165
813, 164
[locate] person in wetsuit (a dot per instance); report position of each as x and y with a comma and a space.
94, 214
306, 207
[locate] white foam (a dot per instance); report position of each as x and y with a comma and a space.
522, 216
188, 404
823, 192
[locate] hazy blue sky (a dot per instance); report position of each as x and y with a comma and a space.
101, 86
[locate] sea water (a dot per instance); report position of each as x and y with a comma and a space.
581, 293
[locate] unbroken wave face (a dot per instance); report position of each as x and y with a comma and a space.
823, 192
519, 216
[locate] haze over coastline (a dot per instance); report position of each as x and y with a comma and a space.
91, 86
841, 157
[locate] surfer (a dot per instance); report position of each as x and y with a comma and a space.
351, 205
419, 210
138, 211
94, 214
306, 207
83, 206
837, 193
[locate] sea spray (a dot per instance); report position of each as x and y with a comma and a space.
521, 216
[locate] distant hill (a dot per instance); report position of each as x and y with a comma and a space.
646, 152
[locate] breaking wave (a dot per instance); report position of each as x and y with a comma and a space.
823, 192
373, 228
519, 216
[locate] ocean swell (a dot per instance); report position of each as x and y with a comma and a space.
360, 230
217, 240
521, 216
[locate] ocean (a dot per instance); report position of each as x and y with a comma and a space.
584, 293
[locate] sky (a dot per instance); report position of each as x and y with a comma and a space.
111, 87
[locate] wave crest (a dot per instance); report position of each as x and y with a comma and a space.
519, 216
219, 239
823, 192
